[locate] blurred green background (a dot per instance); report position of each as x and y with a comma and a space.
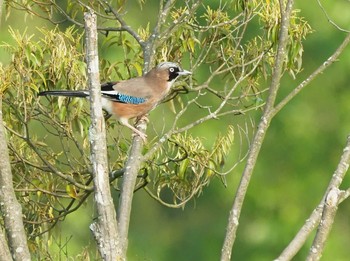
300, 153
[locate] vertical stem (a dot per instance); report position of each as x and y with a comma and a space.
105, 229
10, 208
134, 161
127, 192
151, 43
234, 215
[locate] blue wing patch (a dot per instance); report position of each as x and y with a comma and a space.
108, 91
123, 98
130, 99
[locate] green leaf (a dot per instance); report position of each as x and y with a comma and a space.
71, 191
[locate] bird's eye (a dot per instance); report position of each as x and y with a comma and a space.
171, 69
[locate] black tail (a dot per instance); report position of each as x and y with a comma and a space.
65, 93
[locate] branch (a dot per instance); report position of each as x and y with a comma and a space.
105, 229
329, 19
183, 18
328, 215
150, 44
310, 224
132, 168
11, 210
254, 150
135, 158
134, 161
315, 217
123, 25
211, 115
317, 72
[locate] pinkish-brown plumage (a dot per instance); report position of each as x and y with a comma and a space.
134, 97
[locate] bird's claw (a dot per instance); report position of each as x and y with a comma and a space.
142, 135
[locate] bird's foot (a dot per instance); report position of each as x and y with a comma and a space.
142, 135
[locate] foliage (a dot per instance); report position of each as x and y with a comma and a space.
53, 60
184, 165
231, 48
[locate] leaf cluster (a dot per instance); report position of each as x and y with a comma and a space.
44, 171
184, 166
299, 28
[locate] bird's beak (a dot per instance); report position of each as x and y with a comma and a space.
184, 72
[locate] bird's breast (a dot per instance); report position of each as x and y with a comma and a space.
129, 111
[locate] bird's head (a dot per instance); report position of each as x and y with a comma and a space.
171, 70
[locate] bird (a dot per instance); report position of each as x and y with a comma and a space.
135, 97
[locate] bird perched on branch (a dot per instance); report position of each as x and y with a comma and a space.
134, 97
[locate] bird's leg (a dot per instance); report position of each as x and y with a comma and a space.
142, 135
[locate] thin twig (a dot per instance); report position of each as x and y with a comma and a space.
329, 19
317, 72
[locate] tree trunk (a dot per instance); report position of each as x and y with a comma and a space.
105, 228
11, 210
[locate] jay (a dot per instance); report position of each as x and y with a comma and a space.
135, 97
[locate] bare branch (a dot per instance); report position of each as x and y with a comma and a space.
123, 24
234, 215
150, 45
333, 58
329, 19
132, 168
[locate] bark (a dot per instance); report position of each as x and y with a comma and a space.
105, 228
129, 180
329, 211
4, 248
11, 210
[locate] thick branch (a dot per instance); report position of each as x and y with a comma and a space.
259, 136
135, 156
11, 210
105, 229
127, 192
